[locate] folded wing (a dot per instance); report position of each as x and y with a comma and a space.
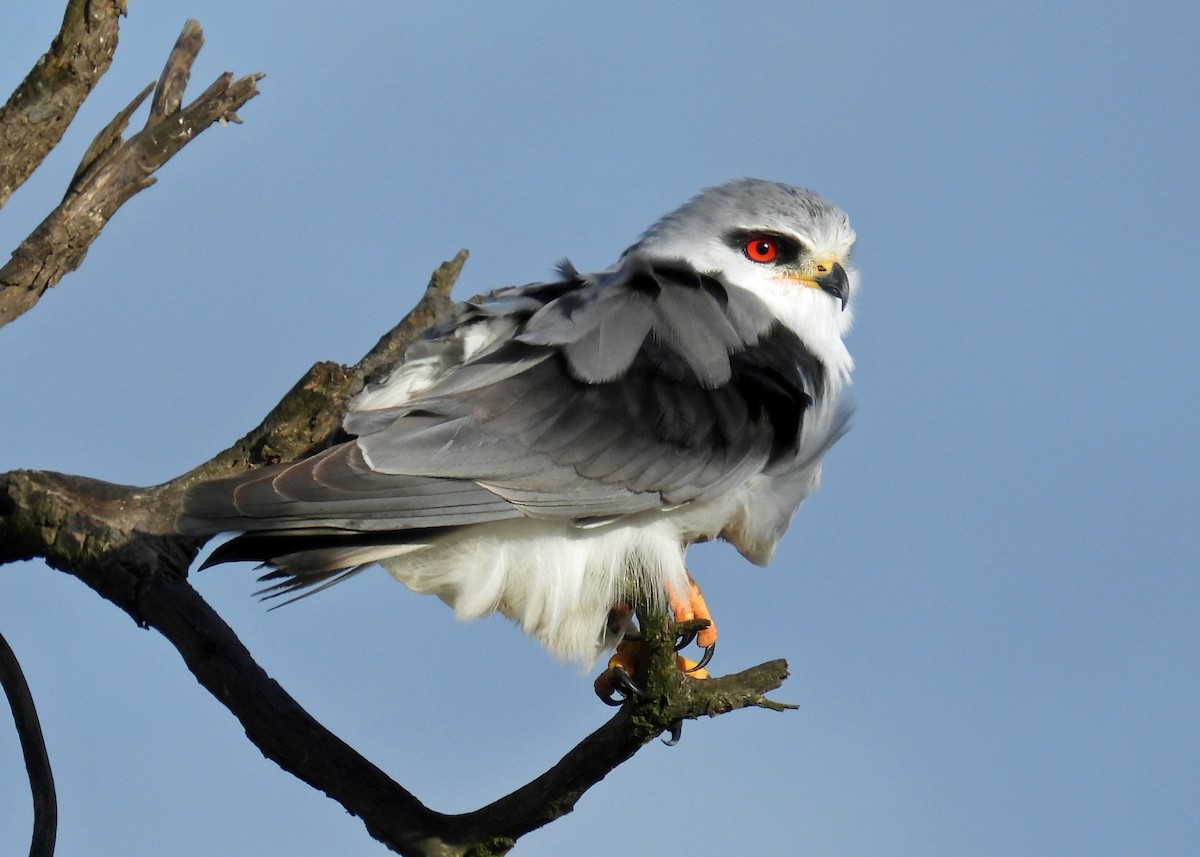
586, 399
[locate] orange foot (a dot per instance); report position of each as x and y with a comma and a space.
688, 606
615, 684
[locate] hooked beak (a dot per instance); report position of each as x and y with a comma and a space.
835, 282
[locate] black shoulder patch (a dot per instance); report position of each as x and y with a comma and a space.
716, 289
643, 282
678, 273
779, 378
547, 292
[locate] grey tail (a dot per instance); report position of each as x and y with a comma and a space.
300, 564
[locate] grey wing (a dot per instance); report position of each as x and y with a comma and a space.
599, 398
662, 387
337, 491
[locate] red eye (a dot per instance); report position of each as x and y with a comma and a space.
760, 248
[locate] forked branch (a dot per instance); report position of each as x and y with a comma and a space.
114, 169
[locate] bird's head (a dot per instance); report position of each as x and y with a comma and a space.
787, 245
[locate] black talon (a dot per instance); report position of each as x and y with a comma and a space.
685, 640
625, 685
620, 687
705, 658
676, 733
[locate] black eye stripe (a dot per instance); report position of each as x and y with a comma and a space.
790, 250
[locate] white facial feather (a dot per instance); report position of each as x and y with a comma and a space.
697, 233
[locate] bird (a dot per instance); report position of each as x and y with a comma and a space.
550, 451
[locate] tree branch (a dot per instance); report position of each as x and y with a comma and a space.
436, 304
176, 73
311, 413
120, 541
39, 111
33, 748
112, 171
672, 697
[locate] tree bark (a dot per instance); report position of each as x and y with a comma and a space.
112, 169
39, 111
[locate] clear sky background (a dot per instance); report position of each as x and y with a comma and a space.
991, 608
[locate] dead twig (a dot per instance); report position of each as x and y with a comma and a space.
113, 170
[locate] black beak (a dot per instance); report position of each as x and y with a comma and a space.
835, 283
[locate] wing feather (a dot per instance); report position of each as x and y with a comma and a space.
596, 397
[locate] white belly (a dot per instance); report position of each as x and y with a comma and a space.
558, 581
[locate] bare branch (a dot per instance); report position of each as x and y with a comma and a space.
176, 73
672, 698
33, 748
39, 111
436, 303
108, 137
114, 173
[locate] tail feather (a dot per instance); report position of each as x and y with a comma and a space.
310, 561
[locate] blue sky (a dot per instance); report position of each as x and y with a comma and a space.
991, 608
